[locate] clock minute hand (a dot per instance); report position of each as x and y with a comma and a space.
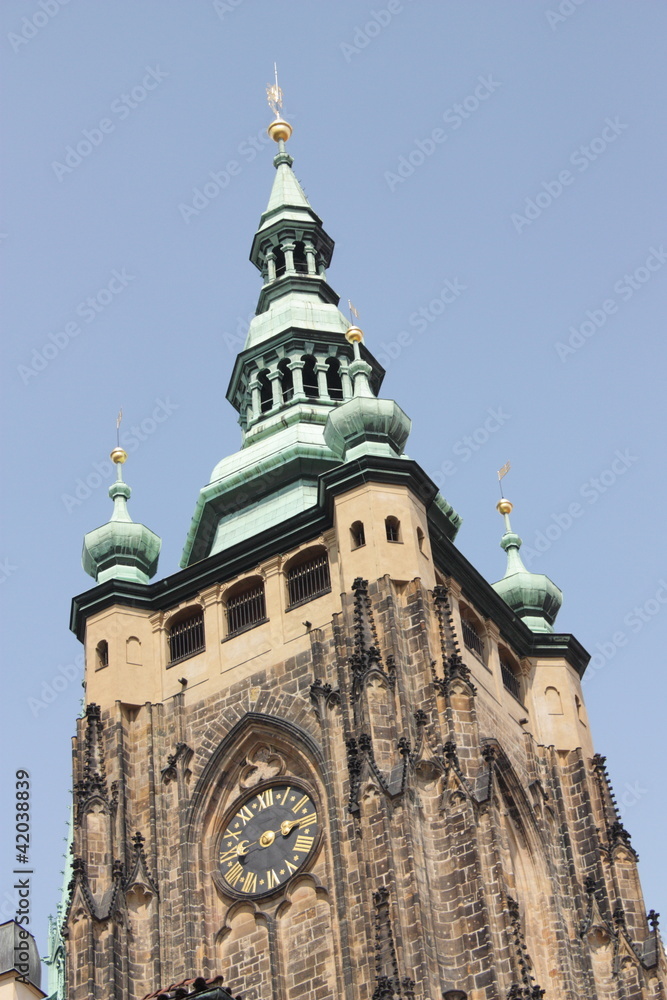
288, 825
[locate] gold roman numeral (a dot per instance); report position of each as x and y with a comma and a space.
292, 868
250, 884
307, 820
228, 854
300, 804
235, 873
287, 791
265, 798
272, 879
244, 815
230, 833
303, 844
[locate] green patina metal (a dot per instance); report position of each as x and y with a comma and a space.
293, 430
533, 596
121, 549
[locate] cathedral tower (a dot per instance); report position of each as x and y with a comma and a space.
327, 759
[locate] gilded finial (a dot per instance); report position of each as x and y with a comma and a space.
504, 506
279, 130
354, 335
118, 456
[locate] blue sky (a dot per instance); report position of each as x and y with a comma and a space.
493, 176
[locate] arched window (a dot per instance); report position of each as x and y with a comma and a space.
245, 605
554, 701
510, 673
334, 384
286, 380
393, 529
265, 394
186, 635
308, 577
357, 534
133, 650
310, 386
280, 262
420, 539
300, 262
102, 654
472, 632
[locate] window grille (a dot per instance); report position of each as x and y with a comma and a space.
393, 527
186, 638
358, 534
471, 638
246, 610
510, 680
308, 580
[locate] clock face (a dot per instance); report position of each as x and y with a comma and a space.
268, 839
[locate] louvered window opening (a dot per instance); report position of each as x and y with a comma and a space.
246, 610
510, 681
186, 638
309, 580
471, 639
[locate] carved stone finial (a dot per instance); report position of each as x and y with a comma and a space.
653, 918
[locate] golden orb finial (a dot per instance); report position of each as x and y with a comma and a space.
504, 506
279, 130
354, 335
118, 456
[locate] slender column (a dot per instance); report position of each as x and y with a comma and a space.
345, 380
276, 388
288, 249
310, 258
296, 368
322, 387
256, 400
271, 266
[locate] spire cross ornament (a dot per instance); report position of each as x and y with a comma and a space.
274, 95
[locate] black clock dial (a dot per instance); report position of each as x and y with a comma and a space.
268, 839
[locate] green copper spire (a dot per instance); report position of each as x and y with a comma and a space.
121, 549
533, 596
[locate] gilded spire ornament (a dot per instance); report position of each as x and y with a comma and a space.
279, 130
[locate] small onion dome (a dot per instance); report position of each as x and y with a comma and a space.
533, 596
121, 549
365, 425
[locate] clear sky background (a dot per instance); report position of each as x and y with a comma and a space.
540, 199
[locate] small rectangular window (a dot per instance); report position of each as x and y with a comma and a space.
246, 610
308, 580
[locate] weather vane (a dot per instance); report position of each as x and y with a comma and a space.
118, 420
274, 95
501, 473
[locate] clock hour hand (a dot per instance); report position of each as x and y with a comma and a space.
288, 825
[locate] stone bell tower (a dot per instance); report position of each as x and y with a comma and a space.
326, 759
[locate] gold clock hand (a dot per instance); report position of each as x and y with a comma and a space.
288, 825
